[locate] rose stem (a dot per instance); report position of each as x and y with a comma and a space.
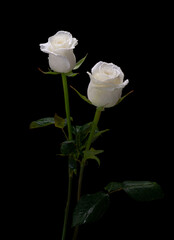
67, 107
94, 126
70, 171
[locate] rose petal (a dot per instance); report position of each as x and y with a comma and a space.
62, 63
103, 97
54, 43
44, 47
107, 72
96, 67
109, 83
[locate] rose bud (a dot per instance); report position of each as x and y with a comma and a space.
106, 84
60, 49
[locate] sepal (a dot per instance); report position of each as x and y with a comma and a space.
49, 72
80, 62
71, 74
82, 96
122, 98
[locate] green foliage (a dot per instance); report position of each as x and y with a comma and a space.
72, 163
59, 121
91, 154
99, 133
114, 186
76, 147
68, 147
138, 190
143, 190
43, 122
81, 133
90, 208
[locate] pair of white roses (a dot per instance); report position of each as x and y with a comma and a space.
106, 79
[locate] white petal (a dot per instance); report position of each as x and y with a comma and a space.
96, 67
61, 32
63, 40
74, 43
44, 47
122, 85
103, 97
62, 64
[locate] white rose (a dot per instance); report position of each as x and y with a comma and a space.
106, 84
60, 49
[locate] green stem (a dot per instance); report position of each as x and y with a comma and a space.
70, 171
67, 204
82, 166
94, 126
67, 108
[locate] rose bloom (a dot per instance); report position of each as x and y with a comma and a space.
106, 84
60, 49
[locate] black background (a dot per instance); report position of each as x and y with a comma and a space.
138, 147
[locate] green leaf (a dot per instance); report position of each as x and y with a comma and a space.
143, 190
72, 163
49, 72
43, 122
91, 154
79, 63
81, 132
99, 133
122, 98
90, 208
81, 136
82, 96
114, 186
59, 122
84, 130
67, 147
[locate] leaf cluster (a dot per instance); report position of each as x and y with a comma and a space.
78, 145
92, 207
75, 147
